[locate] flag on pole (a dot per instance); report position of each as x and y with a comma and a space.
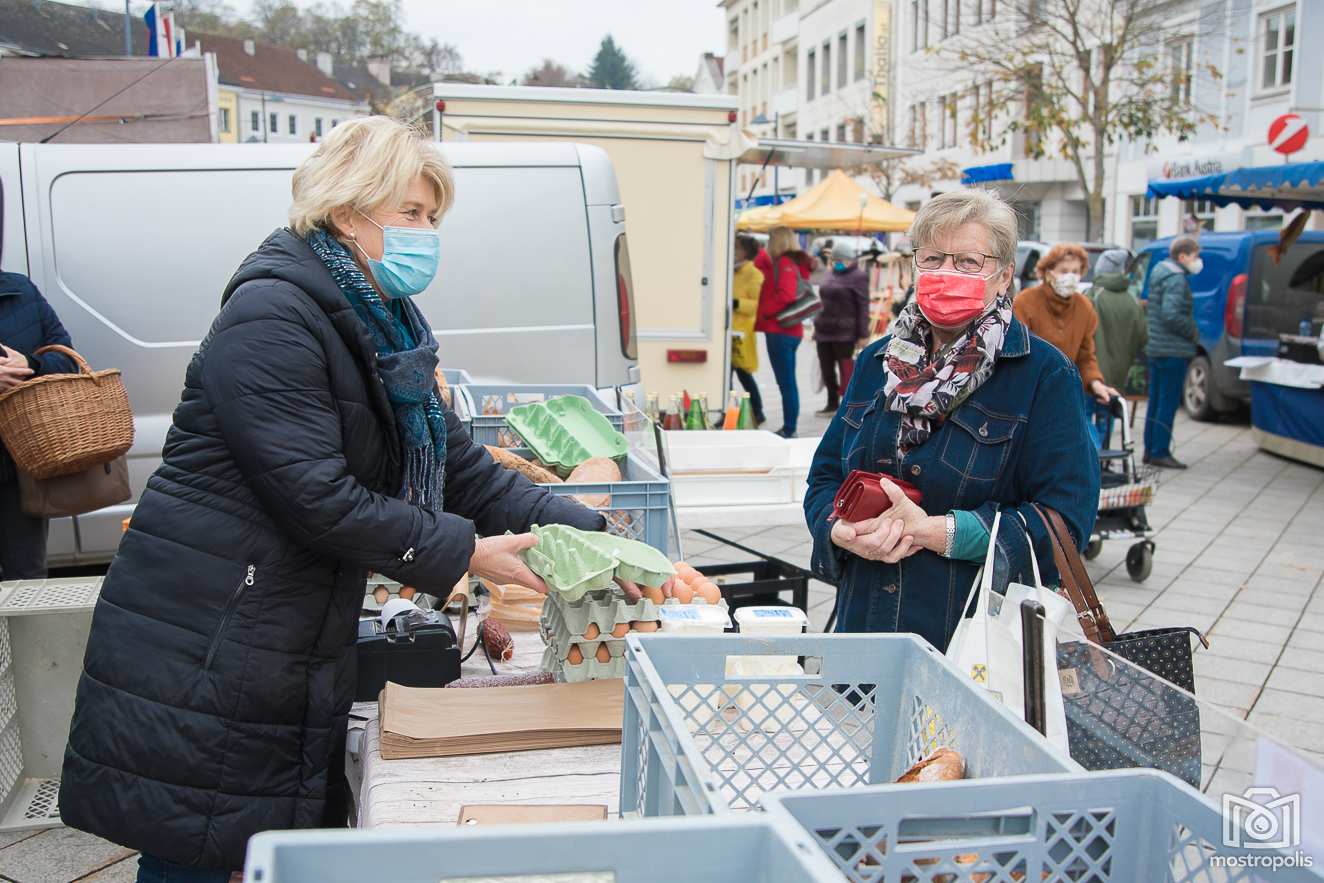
160, 32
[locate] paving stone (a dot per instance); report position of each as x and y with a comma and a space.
1269, 634
1212, 576
1291, 704
125, 871
1312, 622
13, 837
1240, 648
58, 855
1241, 611
1227, 693
1294, 680
1175, 600
1225, 668
1272, 598
1304, 660
1154, 618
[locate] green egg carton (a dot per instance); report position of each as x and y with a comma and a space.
563, 624
635, 561
565, 431
569, 565
588, 670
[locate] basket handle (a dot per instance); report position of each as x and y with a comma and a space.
83, 366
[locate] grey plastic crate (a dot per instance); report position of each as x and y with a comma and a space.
640, 503
456, 376
1132, 825
491, 429
750, 850
698, 740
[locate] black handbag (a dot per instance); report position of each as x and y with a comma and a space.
807, 303
1119, 716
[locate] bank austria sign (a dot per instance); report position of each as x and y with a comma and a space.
1198, 165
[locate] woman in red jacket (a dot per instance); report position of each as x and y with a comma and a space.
783, 266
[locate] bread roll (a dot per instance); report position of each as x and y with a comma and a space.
943, 765
598, 470
532, 472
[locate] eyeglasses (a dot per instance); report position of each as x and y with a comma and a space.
963, 262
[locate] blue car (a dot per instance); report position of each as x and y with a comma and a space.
1243, 301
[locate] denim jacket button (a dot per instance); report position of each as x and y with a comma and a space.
915, 470
890, 588
983, 431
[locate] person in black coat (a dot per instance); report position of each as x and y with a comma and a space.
27, 323
310, 447
842, 328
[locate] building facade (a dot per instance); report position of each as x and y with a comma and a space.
1237, 62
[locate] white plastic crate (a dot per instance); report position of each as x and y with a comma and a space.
715, 451
44, 626
1135, 825
766, 489
698, 739
749, 850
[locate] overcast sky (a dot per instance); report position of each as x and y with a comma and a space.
663, 37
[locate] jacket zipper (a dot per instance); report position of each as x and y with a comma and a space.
226, 614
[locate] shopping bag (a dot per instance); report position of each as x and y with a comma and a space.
86, 490
989, 646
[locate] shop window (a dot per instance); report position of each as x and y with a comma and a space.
1181, 72
255, 122
1144, 220
1277, 48
223, 119
860, 52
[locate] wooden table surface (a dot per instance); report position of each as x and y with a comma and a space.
430, 791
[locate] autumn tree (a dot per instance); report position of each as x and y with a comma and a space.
1072, 78
611, 68
549, 73
680, 83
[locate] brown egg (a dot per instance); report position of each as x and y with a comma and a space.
604, 655
575, 656
621, 630
591, 633
682, 592
408, 592
685, 571
654, 594
381, 595
708, 589
644, 625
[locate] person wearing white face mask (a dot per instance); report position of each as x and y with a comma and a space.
1173, 342
309, 448
1057, 311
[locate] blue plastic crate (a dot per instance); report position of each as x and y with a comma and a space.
750, 850
640, 503
456, 376
1131, 825
491, 402
697, 739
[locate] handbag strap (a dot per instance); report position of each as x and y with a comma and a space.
1094, 621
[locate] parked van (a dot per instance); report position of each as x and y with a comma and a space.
1243, 301
133, 244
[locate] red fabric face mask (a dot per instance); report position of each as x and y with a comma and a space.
949, 299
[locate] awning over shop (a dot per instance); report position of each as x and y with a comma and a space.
1289, 186
820, 154
764, 199
837, 203
987, 174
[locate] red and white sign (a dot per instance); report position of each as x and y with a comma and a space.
1288, 133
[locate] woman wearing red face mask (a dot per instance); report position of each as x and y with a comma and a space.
962, 402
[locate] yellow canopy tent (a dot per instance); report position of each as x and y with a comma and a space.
836, 203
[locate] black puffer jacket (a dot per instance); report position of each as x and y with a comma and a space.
217, 677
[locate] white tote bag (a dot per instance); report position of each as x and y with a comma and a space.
989, 645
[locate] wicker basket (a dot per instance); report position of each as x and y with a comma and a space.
56, 424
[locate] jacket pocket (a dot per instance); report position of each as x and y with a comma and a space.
978, 443
227, 614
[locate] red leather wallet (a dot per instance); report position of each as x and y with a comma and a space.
862, 496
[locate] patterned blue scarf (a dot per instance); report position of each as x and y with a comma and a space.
407, 363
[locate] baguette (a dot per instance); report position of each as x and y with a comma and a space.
943, 765
531, 471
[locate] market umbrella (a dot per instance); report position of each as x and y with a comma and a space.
835, 203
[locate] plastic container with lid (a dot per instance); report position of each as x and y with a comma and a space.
694, 619
771, 620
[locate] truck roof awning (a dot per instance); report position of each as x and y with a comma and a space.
819, 154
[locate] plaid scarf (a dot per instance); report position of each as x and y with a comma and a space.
928, 388
407, 363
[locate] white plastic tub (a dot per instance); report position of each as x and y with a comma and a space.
767, 489
709, 452
694, 619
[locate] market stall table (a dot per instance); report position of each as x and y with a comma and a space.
1287, 406
430, 791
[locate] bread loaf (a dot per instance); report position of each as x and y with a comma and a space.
943, 765
444, 390
531, 471
599, 470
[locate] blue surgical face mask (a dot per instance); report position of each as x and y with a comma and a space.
410, 256
839, 266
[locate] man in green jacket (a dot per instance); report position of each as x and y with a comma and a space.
1121, 334
1172, 343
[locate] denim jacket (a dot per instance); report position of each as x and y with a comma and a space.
1020, 438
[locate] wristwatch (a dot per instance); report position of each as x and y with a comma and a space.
951, 535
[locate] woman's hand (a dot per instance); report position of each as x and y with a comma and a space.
633, 593
13, 368
1103, 392
497, 559
898, 533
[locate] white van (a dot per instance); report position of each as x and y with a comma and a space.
132, 245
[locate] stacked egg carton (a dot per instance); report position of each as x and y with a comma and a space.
586, 638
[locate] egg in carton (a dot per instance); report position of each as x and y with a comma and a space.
597, 617
590, 668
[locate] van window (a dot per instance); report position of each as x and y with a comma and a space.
1139, 272
1281, 295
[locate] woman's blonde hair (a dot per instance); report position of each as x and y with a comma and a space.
366, 163
780, 241
957, 208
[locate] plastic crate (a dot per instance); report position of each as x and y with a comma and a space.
751, 850
1133, 825
697, 740
490, 428
639, 507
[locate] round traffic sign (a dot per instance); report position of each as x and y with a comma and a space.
1288, 133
